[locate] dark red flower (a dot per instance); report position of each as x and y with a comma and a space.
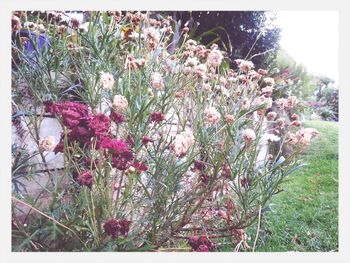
139, 166
130, 140
157, 117
245, 182
199, 165
111, 227
117, 117
121, 154
86, 178
146, 140
115, 227
51, 107
202, 248
99, 124
124, 226
226, 171
59, 147
204, 178
200, 244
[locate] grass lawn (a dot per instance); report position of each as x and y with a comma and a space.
305, 214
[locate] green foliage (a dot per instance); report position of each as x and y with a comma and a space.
305, 214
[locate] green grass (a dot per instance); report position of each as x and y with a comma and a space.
305, 214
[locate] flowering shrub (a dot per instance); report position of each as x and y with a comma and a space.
160, 147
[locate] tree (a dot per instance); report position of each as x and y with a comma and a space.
242, 33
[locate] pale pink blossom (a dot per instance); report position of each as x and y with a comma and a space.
152, 34
214, 58
248, 136
271, 116
269, 81
291, 102
157, 81
182, 143
246, 104
244, 65
120, 103
47, 144
263, 100
187, 70
268, 90
229, 119
106, 80
201, 70
304, 136
211, 115
191, 62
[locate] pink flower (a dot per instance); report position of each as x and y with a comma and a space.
291, 102
229, 119
199, 165
262, 71
269, 81
268, 90
211, 115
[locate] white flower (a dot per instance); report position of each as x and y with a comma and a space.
211, 115
106, 80
120, 103
157, 81
47, 144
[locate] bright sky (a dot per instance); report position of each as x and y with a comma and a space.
311, 38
